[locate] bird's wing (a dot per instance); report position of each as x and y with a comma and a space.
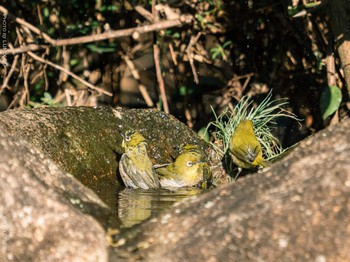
240, 153
135, 177
125, 173
166, 172
252, 153
168, 177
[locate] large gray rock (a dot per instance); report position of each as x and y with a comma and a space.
86, 141
45, 214
298, 210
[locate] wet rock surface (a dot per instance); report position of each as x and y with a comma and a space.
49, 215
297, 210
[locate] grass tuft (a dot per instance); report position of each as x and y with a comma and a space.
263, 117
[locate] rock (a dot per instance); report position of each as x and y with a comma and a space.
45, 214
86, 141
297, 210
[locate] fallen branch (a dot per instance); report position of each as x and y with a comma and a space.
185, 19
23, 49
112, 34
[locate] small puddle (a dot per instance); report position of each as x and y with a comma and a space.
138, 205
133, 206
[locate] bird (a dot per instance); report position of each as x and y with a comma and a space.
135, 166
188, 169
244, 147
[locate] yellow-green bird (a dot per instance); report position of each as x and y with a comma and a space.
245, 148
135, 166
188, 169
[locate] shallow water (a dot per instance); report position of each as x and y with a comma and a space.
137, 205
133, 206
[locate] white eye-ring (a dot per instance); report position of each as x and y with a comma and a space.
189, 163
127, 138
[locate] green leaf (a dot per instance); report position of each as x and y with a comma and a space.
46, 12
182, 90
199, 17
94, 24
101, 49
47, 96
311, 5
186, 90
293, 10
176, 35
71, 27
226, 44
204, 134
330, 101
74, 62
110, 8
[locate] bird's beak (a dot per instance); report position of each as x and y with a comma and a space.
123, 141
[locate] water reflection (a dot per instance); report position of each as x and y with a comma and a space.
137, 205
133, 206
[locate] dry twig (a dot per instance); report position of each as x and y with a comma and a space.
189, 52
173, 54
100, 90
145, 13
8, 77
156, 53
25, 95
136, 76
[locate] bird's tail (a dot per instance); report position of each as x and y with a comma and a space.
263, 162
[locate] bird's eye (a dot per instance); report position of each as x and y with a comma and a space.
127, 138
189, 163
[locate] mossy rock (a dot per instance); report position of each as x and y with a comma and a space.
86, 141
